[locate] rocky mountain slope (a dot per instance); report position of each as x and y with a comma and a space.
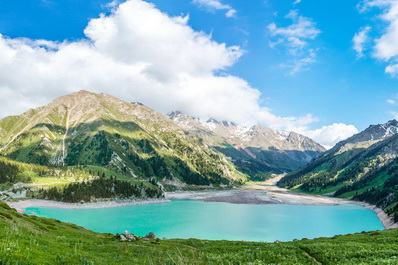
363, 167
100, 130
257, 150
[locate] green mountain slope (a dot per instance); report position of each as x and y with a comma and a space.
34, 240
363, 167
100, 130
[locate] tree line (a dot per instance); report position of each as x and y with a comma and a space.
101, 188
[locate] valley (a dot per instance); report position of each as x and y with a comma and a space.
93, 155
81, 138
208, 132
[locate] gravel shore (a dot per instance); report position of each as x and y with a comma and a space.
20, 206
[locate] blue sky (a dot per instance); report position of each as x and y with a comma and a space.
338, 87
299, 54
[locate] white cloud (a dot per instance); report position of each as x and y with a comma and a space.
391, 101
360, 39
328, 136
295, 38
392, 69
301, 64
386, 46
138, 54
296, 2
213, 5
394, 114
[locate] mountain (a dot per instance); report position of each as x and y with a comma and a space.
363, 167
100, 130
258, 150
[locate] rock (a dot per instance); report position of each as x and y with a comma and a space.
129, 236
151, 235
122, 238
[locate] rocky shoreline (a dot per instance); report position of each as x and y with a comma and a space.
20, 206
387, 221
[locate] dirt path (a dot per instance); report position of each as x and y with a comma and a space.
311, 257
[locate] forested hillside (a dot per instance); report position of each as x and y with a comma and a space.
364, 167
100, 188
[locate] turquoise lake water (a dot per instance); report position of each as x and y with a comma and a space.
213, 220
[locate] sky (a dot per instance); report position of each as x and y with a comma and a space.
326, 69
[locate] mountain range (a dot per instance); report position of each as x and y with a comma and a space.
257, 150
100, 130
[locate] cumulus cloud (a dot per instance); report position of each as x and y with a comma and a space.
295, 38
360, 39
332, 134
213, 5
386, 46
136, 53
391, 101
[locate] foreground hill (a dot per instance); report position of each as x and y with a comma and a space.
363, 167
100, 130
258, 150
34, 240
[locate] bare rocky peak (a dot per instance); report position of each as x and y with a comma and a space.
96, 106
368, 137
241, 136
225, 129
85, 108
376, 132
262, 136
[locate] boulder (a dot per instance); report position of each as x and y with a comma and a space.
129, 236
151, 235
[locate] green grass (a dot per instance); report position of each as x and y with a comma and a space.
34, 240
51, 180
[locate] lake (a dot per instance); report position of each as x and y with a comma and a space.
214, 220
